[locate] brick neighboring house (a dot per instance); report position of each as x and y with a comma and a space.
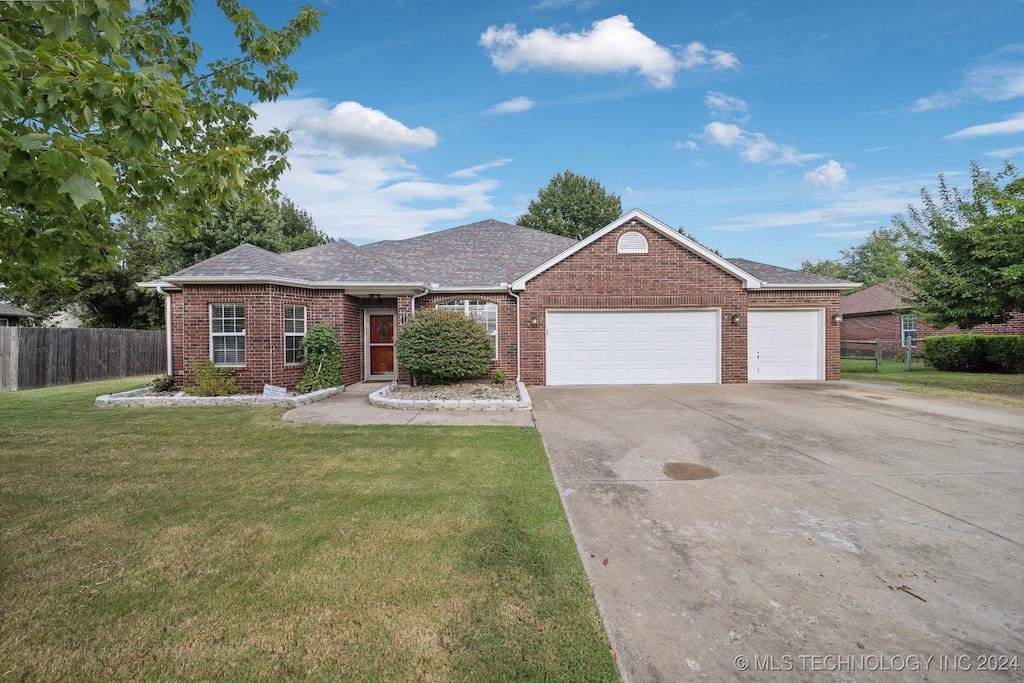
634, 303
881, 312
12, 317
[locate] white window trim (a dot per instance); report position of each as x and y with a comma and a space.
904, 329
450, 306
227, 334
305, 328
4, 322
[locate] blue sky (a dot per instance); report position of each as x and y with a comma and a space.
775, 131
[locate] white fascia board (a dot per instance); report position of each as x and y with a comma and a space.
810, 286
157, 284
468, 290
749, 281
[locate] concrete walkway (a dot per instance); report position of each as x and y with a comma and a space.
791, 532
352, 407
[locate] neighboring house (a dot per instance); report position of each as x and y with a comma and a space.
12, 317
634, 303
881, 312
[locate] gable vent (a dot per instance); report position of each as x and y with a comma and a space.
632, 243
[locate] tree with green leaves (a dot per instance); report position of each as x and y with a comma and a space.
878, 258
274, 226
107, 112
966, 250
109, 297
572, 206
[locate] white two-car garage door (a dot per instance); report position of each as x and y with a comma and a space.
632, 347
786, 345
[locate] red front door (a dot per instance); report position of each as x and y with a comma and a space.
382, 344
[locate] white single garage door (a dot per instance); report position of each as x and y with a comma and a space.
786, 345
632, 347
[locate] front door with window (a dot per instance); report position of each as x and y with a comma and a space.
380, 344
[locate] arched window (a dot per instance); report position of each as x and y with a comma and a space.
484, 312
632, 243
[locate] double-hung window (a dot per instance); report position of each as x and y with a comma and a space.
484, 312
294, 331
908, 324
227, 334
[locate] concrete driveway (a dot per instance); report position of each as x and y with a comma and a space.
853, 532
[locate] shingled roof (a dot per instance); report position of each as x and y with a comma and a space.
483, 254
776, 275
8, 311
884, 297
244, 261
343, 261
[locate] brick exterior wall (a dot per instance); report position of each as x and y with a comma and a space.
598, 277
888, 327
264, 335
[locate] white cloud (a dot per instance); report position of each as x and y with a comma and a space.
1005, 153
697, 54
362, 131
612, 45
871, 204
829, 175
474, 171
347, 172
756, 148
1014, 124
995, 80
722, 105
513, 106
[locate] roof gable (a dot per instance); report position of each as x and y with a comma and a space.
748, 280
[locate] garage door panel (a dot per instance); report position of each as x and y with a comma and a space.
785, 345
632, 347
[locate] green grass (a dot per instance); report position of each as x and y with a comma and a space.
225, 544
988, 387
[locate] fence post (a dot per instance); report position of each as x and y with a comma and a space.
906, 354
878, 355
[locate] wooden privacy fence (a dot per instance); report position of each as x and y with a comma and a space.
32, 357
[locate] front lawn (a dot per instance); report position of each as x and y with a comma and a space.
225, 544
992, 388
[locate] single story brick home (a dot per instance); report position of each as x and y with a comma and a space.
634, 303
12, 317
881, 312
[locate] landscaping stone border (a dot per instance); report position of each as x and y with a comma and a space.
381, 399
144, 397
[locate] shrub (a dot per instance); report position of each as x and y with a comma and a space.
213, 381
1005, 352
164, 383
498, 377
439, 346
322, 358
975, 352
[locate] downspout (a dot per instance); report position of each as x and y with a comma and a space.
412, 312
519, 344
167, 324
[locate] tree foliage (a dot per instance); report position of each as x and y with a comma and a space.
966, 250
572, 206
105, 112
109, 297
880, 257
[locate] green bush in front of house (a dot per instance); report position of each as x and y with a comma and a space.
439, 346
322, 356
975, 352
